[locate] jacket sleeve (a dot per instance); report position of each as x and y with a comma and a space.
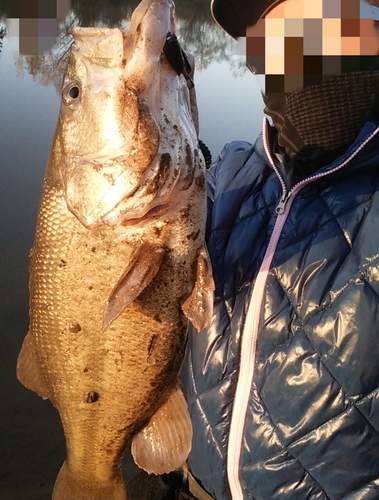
221, 173
211, 187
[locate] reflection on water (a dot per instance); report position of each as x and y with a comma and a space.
3, 32
198, 34
230, 108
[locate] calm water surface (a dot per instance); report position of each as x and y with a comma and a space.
230, 107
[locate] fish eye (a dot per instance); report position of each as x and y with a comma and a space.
71, 93
74, 92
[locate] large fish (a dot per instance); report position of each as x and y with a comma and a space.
118, 256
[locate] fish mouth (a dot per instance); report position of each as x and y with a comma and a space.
152, 214
146, 154
108, 194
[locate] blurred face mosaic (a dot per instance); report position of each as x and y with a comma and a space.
300, 42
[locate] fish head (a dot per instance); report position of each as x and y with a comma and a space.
128, 144
107, 135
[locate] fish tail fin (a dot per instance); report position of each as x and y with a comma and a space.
69, 487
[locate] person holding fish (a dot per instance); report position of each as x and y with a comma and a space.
283, 387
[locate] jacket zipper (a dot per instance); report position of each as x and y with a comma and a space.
250, 331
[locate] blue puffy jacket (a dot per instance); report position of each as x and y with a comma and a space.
283, 387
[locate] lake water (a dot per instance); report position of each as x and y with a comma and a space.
230, 107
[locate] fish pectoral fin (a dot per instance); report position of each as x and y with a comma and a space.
141, 270
198, 307
28, 370
164, 444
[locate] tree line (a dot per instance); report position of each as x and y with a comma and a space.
197, 33
111, 12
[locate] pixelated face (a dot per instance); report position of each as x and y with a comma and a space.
299, 42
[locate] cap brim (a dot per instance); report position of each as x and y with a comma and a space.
234, 16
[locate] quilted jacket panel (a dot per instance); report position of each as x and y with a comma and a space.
312, 423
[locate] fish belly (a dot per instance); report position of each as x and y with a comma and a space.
104, 384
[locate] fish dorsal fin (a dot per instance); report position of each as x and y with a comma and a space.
164, 444
143, 266
198, 307
28, 370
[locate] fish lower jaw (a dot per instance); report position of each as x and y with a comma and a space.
121, 217
151, 215
164, 206
161, 207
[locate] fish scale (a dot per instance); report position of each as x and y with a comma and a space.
118, 265
83, 355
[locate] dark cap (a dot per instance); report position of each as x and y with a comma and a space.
234, 16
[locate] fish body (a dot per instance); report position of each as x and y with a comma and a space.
118, 256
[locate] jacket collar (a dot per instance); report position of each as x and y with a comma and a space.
367, 158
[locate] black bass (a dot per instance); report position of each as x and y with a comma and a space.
118, 263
